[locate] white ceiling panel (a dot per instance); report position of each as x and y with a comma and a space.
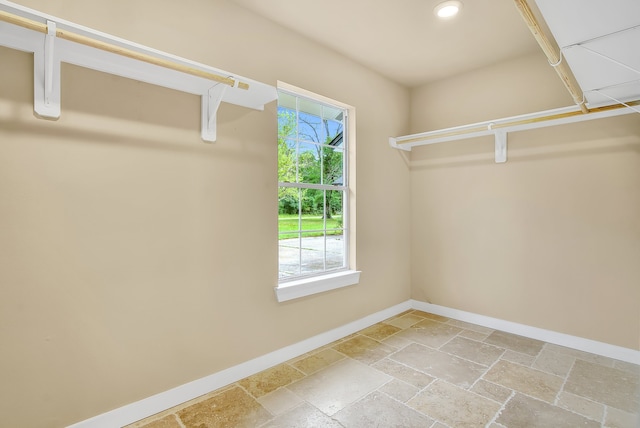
574, 21
600, 41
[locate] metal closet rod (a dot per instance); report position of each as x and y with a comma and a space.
119, 50
550, 51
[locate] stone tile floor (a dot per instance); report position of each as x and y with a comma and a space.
424, 370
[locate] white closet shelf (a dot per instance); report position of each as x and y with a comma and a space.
500, 127
53, 40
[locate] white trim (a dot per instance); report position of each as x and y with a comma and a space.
317, 284
562, 339
165, 400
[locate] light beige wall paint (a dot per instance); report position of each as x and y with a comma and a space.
134, 257
551, 238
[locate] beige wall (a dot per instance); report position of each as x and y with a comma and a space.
550, 239
134, 257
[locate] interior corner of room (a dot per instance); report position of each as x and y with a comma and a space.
136, 261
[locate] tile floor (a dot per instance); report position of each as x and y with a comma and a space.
424, 370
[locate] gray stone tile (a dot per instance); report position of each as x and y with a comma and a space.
472, 350
474, 335
440, 364
621, 419
613, 387
337, 386
491, 390
303, 416
404, 373
469, 326
526, 412
430, 333
399, 390
554, 362
454, 406
518, 358
535, 383
279, 401
627, 367
586, 356
378, 410
514, 342
397, 341
581, 406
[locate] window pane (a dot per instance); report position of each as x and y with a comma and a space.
311, 128
333, 209
334, 133
311, 201
312, 224
312, 253
286, 123
289, 257
332, 166
336, 250
309, 163
288, 207
286, 160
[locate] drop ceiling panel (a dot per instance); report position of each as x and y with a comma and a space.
574, 21
600, 42
586, 59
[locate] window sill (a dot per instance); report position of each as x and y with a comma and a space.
308, 286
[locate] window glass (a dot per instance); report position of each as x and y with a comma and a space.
312, 189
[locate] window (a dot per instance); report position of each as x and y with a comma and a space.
313, 189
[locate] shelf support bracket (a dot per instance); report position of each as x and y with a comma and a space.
210, 104
47, 76
394, 143
501, 146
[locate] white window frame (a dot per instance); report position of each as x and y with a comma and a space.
301, 286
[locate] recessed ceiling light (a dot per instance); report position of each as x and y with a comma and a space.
448, 9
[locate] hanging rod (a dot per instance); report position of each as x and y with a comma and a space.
554, 58
119, 50
500, 127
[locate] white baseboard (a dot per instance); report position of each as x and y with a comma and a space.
157, 403
579, 343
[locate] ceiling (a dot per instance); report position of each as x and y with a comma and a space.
402, 39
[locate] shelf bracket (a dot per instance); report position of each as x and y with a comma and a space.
501, 146
210, 104
394, 143
47, 76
